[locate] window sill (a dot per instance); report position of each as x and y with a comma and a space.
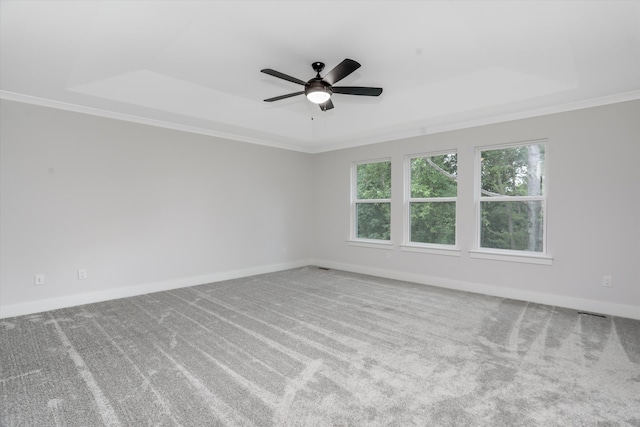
376, 244
448, 251
524, 257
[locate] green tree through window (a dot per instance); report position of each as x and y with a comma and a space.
512, 198
432, 199
373, 200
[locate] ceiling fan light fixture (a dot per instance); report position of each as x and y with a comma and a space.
317, 91
318, 96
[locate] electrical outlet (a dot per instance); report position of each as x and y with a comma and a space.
82, 274
38, 279
606, 281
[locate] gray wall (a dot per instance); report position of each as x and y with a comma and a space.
146, 209
137, 205
593, 212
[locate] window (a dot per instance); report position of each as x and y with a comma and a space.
371, 200
430, 208
511, 198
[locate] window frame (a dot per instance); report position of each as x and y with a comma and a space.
531, 257
353, 226
424, 247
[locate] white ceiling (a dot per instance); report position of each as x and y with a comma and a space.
195, 65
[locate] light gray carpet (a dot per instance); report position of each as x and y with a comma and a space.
309, 347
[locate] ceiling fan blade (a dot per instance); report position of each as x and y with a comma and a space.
341, 71
357, 90
283, 76
278, 98
327, 105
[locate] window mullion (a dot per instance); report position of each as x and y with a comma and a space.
433, 199
512, 198
373, 201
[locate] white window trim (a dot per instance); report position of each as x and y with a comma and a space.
512, 256
428, 248
542, 258
353, 223
370, 243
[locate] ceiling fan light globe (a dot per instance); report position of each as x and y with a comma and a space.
318, 96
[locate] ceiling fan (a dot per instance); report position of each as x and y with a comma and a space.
319, 89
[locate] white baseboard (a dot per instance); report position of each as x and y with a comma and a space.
591, 306
39, 306
581, 304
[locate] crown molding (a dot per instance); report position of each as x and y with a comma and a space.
326, 146
425, 129
43, 102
